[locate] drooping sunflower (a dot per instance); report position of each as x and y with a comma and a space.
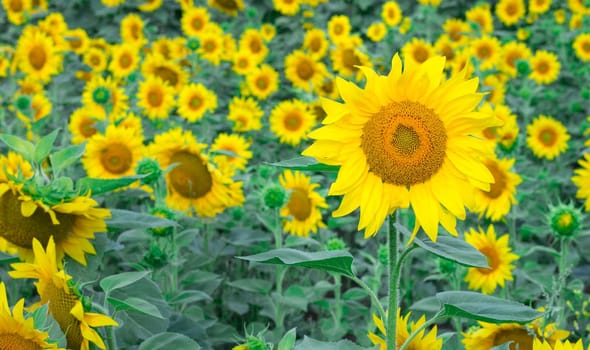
170, 72
405, 139
315, 43
482, 16
510, 11
547, 137
391, 13
124, 60
263, 81
64, 304
486, 50
106, 94
558, 345
418, 50
303, 207
132, 30
194, 21
304, 71
37, 56
245, 113
421, 342
83, 122
496, 203
545, 67
230, 7
155, 97
194, 101
581, 46
291, 121
193, 183
238, 146
113, 154
500, 259
581, 179
16, 331
490, 335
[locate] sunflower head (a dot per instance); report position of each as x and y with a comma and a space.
565, 220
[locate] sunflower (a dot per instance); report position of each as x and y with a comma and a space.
496, 88
457, 30
327, 88
482, 16
77, 40
486, 50
171, 73
391, 13
582, 180
124, 60
155, 97
315, 43
547, 137
286, 7
194, 21
245, 113
576, 21
64, 303
504, 135
346, 58
251, 40
376, 31
236, 144
579, 7
445, 47
510, 12
462, 63
230, 7
539, 6
243, 62
581, 46
490, 335
304, 71
16, 331
211, 48
194, 101
150, 5
104, 92
268, 32
417, 51
84, 121
496, 202
17, 10
420, 342
291, 121
193, 183
263, 81
303, 207
37, 56
405, 139
39, 109
114, 154
566, 345
95, 59
511, 53
132, 30
338, 28
545, 67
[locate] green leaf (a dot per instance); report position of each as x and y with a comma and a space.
454, 249
63, 158
20, 146
98, 186
305, 164
355, 294
126, 219
168, 340
254, 285
485, 308
137, 305
288, 340
189, 296
8, 259
110, 283
335, 261
44, 146
312, 344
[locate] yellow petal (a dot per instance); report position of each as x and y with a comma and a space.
27, 208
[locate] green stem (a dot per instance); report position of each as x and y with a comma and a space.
174, 263
437, 317
392, 265
562, 279
278, 233
337, 300
372, 295
110, 330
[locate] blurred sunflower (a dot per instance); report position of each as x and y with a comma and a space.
114, 154
156, 65
500, 259
421, 342
417, 50
581, 179
547, 137
482, 16
193, 183
194, 101
39, 109
245, 113
37, 56
376, 31
505, 135
291, 121
230, 7
510, 12
17, 10
579, 7
445, 47
545, 67
581, 46
96, 59
150, 5
238, 146
211, 48
304, 71
16, 331
346, 58
458, 30
338, 28
538, 7
83, 122
496, 203
487, 50
558, 345
303, 207
512, 52
105, 93
64, 304
194, 21
251, 40
77, 40
155, 97
263, 81
490, 335
243, 62
268, 31
327, 88
132, 30
405, 139
315, 43
391, 13
124, 60
287, 7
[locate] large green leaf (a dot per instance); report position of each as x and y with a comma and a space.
137, 305
110, 283
44, 146
63, 158
454, 249
121, 218
20, 146
485, 308
288, 340
98, 186
312, 344
305, 164
168, 340
339, 261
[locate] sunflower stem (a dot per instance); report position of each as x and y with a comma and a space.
439, 316
392, 265
110, 330
278, 233
562, 278
372, 295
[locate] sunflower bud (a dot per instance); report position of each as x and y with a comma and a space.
165, 213
155, 257
193, 44
101, 95
335, 244
151, 168
274, 196
523, 67
446, 266
23, 103
565, 220
255, 343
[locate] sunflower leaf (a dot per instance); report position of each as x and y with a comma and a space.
137, 305
45, 146
98, 186
485, 308
63, 158
110, 283
339, 261
20, 146
288, 340
312, 344
121, 218
305, 164
168, 340
455, 250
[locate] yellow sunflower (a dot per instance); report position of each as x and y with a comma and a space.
243, 62
155, 97
421, 342
17, 10
581, 46
462, 62
16, 331
230, 7
40, 108
539, 6
291, 121
303, 207
417, 50
236, 144
96, 59
338, 28
132, 30
245, 113
124, 60
77, 40
37, 56
114, 154
150, 5
376, 31
458, 30
405, 139
64, 304
582, 180
194, 21
170, 72
315, 43
445, 47
327, 88
579, 7
490, 335
287, 7
566, 345
346, 58
83, 122
547, 137
482, 16
486, 50
194, 101
505, 135
496, 202
304, 71
510, 12
391, 13
211, 48
193, 183
545, 67
263, 81
251, 40
500, 259
268, 31
106, 94
511, 53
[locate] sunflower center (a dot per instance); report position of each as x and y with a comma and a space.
565, 220
350, 59
548, 137
511, 59
125, 60
299, 204
155, 98
448, 52
543, 67
497, 188
75, 43
87, 127
190, 177
95, 60
315, 44
196, 102
338, 29
493, 260
227, 4
293, 121
328, 87
20, 230
404, 143
166, 74
420, 54
455, 34
305, 70
14, 341
60, 305
586, 46
483, 51
16, 5
37, 57
511, 9
520, 337
134, 31
255, 45
209, 46
490, 133
197, 23
262, 83
116, 158
243, 62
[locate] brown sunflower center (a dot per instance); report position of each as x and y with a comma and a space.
484, 51
196, 102
518, 337
542, 67
134, 31
493, 260
197, 23
338, 29
155, 97
512, 9
512, 57
328, 87
116, 158
167, 74
350, 59
420, 54
586, 46
497, 188
404, 143
448, 52
16, 5
305, 69
455, 34
95, 60
190, 177
293, 121
37, 57
75, 43
255, 45
230, 5
209, 46
14, 341
243, 62
60, 305
548, 137
87, 127
262, 83
125, 60
490, 133
315, 44
20, 230
299, 204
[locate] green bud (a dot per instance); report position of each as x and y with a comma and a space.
132, 77
335, 244
101, 95
237, 213
523, 67
265, 171
550, 95
255, 343
565, 220
193, 44
165, 213
251, 12
383, 254
446, 266
274, 196
23, 103
151, 168
585, 93
525, 92
576, 107
155, 257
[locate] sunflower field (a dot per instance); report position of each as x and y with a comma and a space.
295, 174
